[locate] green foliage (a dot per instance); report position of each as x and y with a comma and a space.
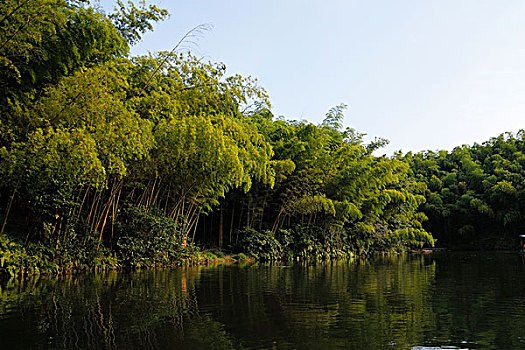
334, 117
336, 183
147, 238
204, 157
132, 22
84, 128
14, 258
261, 245
62, 257
475, 193
43, 40
313, 242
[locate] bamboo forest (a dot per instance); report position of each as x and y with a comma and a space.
110, 160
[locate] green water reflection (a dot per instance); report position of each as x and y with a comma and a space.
460, 300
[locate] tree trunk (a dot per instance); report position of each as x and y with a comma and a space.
231, 225
221, 229
8, 210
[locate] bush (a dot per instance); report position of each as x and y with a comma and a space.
303, 242
318, 243
58, 257
14, 258
148, 238
262, 245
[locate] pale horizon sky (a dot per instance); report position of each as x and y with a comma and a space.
422, 74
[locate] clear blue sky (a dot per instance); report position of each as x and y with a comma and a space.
430, 74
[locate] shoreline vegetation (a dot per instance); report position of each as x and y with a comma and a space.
109, 160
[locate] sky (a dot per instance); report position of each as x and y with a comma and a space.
426, 75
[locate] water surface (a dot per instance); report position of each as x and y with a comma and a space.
447, 300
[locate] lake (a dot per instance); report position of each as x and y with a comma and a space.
446, 300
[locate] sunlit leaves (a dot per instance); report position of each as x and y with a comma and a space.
475, 191
337, 182
83, 123
133, 21
92, 100
204, 157
42, 40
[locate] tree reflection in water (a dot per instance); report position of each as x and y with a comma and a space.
466, 300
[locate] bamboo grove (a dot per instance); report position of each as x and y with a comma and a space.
475, 194
108, 158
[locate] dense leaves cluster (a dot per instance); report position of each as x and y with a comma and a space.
328, 181
476, 194
191, 151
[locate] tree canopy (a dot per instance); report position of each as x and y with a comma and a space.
91, 136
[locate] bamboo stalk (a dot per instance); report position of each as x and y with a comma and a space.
193, 224
108, 206
276, 222
8, 210
143, 194
195, 227
150, 197
93, 203
231, 224
114, 213
82, 203
221, 228
158, 192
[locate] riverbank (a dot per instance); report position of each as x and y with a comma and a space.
35, 259
70, 257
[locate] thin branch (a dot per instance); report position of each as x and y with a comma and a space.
22, 26
193, 33
12, 12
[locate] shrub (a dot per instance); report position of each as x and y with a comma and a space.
262, 245
146, 238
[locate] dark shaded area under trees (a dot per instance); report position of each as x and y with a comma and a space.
108, 159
